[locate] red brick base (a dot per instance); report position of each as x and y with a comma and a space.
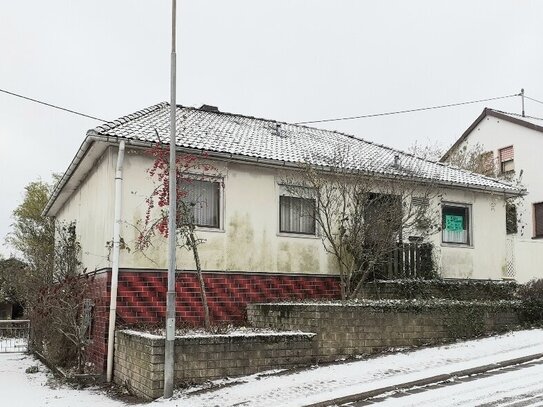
141, 298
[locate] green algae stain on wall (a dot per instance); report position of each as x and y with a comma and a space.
240, 243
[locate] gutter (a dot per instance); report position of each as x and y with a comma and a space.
115, 263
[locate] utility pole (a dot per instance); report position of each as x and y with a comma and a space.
522, 95
169, 354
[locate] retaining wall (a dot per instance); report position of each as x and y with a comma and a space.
348, 330
139, 358
462, 290
141, 298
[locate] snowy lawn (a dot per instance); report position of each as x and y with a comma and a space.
18, 388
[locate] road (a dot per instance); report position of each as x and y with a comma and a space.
516, 386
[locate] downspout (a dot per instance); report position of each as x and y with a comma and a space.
115, 261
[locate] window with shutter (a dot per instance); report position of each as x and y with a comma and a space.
507, 160
538, 219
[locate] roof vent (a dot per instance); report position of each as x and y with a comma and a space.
279, 130
209, 108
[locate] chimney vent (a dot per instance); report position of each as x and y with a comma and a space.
279, 130
209, 108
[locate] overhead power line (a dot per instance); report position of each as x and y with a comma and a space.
533, 100
419, 109
54, 106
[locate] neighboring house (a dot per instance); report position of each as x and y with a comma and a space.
514, 143
258, 248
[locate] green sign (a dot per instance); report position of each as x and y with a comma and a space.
454, 222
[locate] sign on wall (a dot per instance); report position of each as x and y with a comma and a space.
454, 222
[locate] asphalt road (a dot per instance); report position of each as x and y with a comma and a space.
516, 386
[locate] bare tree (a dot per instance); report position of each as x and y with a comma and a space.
361, 217
190, 170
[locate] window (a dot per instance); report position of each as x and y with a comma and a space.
297, 213
203, 199
456, 226
538, 219
510, 218
507, 163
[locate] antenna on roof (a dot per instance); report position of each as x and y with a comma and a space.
522, 96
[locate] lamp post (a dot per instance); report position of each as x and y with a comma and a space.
169, 353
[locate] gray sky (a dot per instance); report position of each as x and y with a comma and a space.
289, 60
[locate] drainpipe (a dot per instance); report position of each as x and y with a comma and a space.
115, 265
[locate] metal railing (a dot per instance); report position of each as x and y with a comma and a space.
14, 335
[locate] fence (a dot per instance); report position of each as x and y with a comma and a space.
407, 260
14, 335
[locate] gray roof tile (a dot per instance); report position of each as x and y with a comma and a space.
258, 138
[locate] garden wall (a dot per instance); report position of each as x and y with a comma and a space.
355, 329
139, 358
141, 298
462, 290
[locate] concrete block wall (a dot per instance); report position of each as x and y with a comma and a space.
348, 330
139, 358
462, 290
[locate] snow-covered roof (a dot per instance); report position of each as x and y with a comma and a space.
269, 140
256, 140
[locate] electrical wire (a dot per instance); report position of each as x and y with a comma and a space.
53, 106
533, 100
420, 109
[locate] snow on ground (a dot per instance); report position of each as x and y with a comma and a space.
300, 388
329, 382
523, 386
20, 389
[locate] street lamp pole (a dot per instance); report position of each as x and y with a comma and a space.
169, 354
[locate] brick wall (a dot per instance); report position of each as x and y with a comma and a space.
139, 358
142, 295
349, 330
141, 298
99, 293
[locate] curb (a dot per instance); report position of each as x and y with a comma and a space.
426, 381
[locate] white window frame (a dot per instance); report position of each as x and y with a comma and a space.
222, 187
283, 190
469, 208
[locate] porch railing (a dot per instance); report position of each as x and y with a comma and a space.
407, 260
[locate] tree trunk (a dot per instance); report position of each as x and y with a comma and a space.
194, 247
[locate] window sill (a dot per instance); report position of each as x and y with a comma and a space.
298, 235
537, 238
211, 230
457, 245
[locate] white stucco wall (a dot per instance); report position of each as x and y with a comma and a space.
91, 207
249, 239
484, 258
493, 134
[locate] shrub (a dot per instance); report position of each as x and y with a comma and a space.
531, 295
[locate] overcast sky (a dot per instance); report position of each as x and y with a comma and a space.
288, 60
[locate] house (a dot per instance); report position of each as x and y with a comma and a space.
513, 141
257, 247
